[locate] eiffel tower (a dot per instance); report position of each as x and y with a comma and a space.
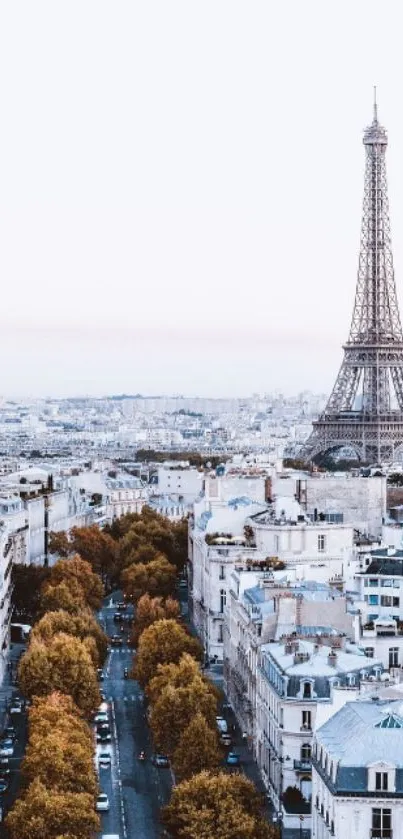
365, 408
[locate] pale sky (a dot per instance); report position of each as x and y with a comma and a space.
180, 190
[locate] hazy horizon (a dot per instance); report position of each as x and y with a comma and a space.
181, 190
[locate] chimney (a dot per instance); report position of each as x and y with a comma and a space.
332, 658
288, 648
391, 550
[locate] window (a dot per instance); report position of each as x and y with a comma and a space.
222, 572
259, 629
381, 781
373, 582
396, 601
223, 599
321, 543
307, 720
306, 751
307, 690
386, 600
381, 823
369, 651
393, 656
373, 599
220, 633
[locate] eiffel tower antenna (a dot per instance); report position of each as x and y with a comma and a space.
365, 408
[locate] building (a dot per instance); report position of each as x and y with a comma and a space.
263, 606
357, 773
299, 685
13, 550
178, 478
125, 494
380, 585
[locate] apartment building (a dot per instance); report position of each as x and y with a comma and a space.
357, 773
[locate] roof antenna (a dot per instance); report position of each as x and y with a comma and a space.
375, 106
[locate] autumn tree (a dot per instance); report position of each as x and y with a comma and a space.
178, 675
175, 709
82, 626
163, 642
62, 664
57, 711
150, 609
68, 596
44, 813
61, 760
197, 748
77, 570
216, 804
59, 543
156, 578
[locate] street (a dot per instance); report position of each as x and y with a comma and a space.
136, 789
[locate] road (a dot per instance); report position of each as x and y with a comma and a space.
136, 789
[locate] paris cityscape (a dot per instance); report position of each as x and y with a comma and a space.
201, 423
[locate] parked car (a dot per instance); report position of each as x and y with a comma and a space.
100, 674
10, 732
6, 747
222, 725
4, 767
104, 760
162, 761
16, 706
102, 805
104, 734
233, 759
226, 740
101, 717
3, 785
117, 617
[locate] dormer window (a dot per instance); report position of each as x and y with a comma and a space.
381, 777
307, 690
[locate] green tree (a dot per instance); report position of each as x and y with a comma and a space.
81, 626
197, 748
163, 642
48, 813
216, 804
151, 609
175, 709
63, 664
28, 581
157, 578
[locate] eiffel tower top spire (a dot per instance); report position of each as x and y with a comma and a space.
375, 134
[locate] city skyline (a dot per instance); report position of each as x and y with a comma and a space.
175, 213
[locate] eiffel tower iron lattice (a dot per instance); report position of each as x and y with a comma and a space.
365, 408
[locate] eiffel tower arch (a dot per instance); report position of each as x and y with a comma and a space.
365, 407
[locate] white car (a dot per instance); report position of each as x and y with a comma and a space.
222, 725
104, 760
102, 805
101, 716
6, 748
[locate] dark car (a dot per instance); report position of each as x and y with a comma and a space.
162, 761
233, 759
104, 736
117, 617
100, 674
9, 732
116, 641
4, 767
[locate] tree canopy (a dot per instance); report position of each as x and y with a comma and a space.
151, 609
62, 664
216, 804
82, 626
43, 813
176, 707
156, 578
77, 571
163, 642
197, 748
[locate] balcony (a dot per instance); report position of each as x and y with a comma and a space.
304, 765
381, 833
306, 727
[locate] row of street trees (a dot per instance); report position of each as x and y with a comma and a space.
182, 702
58, 675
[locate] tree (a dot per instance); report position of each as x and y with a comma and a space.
77, 570
49, 813
28, 581
156, 578
61, 761
66, 596
59, 543
98, 548
197, 748
163, 642
216, 804
151, 609
178, 675
175, 709
57, 711
81, 626
62, 664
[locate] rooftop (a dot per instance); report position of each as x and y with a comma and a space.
362, 733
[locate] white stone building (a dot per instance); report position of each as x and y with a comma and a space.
125, 494
13, 550
357, 774
176, 478
297, 684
